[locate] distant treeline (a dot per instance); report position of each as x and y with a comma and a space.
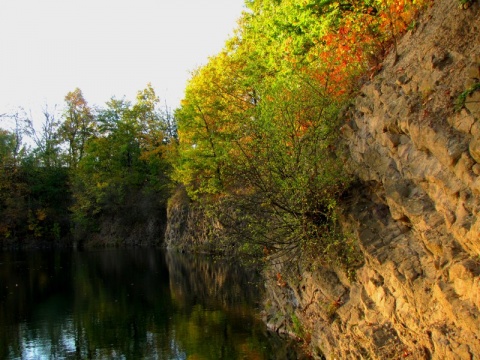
56, 181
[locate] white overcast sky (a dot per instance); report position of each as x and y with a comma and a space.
106, 47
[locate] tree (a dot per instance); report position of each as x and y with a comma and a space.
20, 126
290, 175
217, 100
124, 159
12, 186
8, 146
77, 127
48, 141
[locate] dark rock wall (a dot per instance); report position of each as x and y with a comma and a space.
140, 221
189, 228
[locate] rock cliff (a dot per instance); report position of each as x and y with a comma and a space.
139, 221
413, 141
189, 228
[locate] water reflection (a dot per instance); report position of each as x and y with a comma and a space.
130, 304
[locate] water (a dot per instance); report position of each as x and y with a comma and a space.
131, 304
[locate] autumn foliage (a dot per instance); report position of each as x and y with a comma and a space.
259, 122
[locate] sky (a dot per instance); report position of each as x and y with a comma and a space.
106, 47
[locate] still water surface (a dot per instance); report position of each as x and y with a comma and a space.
131, 304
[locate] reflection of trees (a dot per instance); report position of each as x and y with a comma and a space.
214, 315
197, 279
129, 304
121, 287
108, 287
28, 279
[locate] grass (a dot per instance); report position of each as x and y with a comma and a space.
462, 98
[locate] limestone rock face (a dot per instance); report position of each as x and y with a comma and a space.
417, 217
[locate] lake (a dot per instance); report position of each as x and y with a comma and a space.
131, 304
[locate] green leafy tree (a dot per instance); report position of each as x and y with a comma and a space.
39, 197
12, 187
77, 127
217, 100
289, 173
124, 160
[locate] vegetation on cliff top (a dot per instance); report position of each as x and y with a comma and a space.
259, 124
